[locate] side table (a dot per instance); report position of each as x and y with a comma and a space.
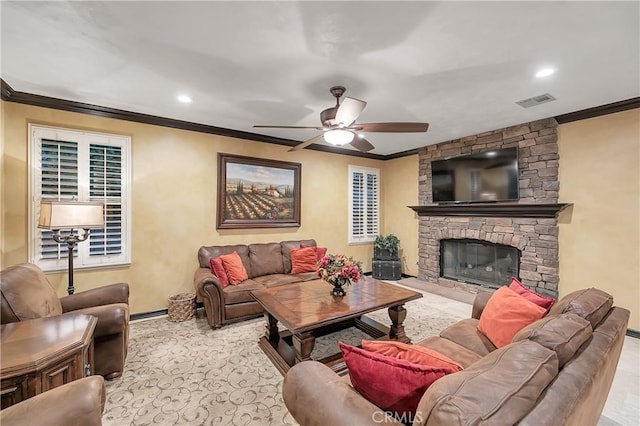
43, 353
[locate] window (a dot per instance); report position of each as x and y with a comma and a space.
74, 165
364, 196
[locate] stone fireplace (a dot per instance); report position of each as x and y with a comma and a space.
526, 229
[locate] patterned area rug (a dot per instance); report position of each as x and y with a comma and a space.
189, 374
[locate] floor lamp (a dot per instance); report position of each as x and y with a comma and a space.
72, 215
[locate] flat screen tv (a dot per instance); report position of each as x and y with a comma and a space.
484, 177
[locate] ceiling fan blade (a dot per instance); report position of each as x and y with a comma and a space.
349, 110
361, 144
306, 143
397, 127
288, 127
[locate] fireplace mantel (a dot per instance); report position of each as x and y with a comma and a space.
491, 210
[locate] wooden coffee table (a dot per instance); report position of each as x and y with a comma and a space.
308, 310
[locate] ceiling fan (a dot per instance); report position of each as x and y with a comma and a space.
339, 125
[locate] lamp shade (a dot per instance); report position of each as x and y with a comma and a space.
338, 136
70, 215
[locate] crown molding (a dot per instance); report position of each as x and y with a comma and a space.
8, 94
599, 110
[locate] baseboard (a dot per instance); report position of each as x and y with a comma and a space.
633, 333
158, 313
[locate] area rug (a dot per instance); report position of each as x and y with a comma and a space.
186, 373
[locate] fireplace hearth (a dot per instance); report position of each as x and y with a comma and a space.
478, 262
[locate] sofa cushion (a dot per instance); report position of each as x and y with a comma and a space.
320, 251
394, 385
465, 333
412, 353
286, 247
241, 293
563, 334
591, 304
217, 269
306, 276
234, 268
303, 259
265, 259
499, 389
507, 313
205, 253
454, 351
276, 280
538, 299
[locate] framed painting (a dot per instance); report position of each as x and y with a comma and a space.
257, 193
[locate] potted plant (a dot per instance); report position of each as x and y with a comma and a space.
386, 247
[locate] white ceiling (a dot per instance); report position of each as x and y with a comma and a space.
460, 66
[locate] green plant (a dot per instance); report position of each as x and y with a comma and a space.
387, 243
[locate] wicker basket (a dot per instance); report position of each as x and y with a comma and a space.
182, 307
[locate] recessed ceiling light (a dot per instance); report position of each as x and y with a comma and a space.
185, 99
545, 72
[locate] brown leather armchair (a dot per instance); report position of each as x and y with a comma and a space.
80, 402
27, 294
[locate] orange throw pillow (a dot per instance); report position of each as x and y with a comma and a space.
234, 268
413, 353
505, 314
303, 260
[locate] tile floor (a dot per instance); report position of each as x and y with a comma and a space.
623, 403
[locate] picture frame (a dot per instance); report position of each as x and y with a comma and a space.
257, 193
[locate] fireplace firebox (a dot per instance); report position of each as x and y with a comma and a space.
478, 262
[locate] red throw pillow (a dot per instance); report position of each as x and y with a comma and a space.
303, 260
320, 251
413, 353
505, 314
538, 299
234, 268
215, 263
392, 384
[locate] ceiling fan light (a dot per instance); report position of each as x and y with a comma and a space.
338, 136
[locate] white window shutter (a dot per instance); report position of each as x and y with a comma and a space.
364, 195
83, 166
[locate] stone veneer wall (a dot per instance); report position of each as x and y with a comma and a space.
537, 238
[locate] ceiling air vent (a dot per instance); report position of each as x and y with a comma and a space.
536, 100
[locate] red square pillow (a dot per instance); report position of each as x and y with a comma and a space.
505, 314
234, 268
320, 251
413, 353
538, 299
392, 384
215, 263
303, 260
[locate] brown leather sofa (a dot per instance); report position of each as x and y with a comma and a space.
27, 294
556, 371
80, 402
267, 265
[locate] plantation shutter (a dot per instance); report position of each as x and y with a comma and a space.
82, 166
363, 204
59, 181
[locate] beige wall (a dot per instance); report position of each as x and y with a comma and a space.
600, 238
174, 201
400, 189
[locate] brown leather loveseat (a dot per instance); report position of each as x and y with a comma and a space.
556, 371
267, 265
27, 294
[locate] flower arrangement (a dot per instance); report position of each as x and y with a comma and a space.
339, 270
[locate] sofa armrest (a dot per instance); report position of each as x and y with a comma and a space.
112, 319
80, 402
105, 295
479, 303
315, 395
209, 290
